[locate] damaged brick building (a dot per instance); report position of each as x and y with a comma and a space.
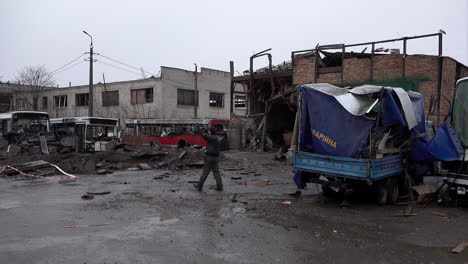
271, 97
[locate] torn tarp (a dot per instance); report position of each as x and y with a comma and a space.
336, 121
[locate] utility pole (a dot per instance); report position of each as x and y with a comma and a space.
90, 96
231, 71
196, 92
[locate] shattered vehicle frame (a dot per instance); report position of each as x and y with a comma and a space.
15, 126
85, 134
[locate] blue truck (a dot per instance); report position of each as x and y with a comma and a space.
366, 135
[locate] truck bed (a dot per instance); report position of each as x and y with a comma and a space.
369, 170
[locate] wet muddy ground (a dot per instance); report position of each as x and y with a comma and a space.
156, 216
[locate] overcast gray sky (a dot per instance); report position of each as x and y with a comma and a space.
175, 33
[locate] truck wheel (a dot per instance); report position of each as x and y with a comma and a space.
381, 193
392, 190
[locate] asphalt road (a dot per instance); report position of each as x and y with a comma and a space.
146, 220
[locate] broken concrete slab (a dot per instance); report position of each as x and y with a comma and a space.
198, 163
182, 154
101, 164
44, 147
101, 171
149, 153
421, 192
145, 166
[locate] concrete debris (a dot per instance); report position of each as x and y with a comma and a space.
460, 247
101, 171
98, 193
198, 163
44, 147
281, 154
80, 226
422, 192
182, 154
87, 197
145, 166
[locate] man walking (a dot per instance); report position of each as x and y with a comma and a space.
211, 161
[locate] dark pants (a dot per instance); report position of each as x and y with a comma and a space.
211, 164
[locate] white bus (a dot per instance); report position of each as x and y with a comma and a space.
17, 123
85, 133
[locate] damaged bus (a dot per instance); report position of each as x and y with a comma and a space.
85, 134
174, 132
17, 124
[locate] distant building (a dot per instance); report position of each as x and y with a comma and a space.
171, 96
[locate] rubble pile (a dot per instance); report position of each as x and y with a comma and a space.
123, 158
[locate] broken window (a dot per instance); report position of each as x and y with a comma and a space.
82, 99
60, 101
45, 103
239, 101
216, 100
142, 96
110, 98
185, 97
21, 104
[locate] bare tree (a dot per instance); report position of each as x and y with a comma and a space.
32, 81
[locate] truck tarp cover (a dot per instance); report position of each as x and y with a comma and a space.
327, 128
334, 122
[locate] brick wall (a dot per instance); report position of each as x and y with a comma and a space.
387, 67
334, 77
418, 66
356, 70
304, 71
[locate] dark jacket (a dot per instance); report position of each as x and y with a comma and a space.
213, 148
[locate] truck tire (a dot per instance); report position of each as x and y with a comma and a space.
381, 192
393, 190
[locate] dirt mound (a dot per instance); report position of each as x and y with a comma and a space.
109, 161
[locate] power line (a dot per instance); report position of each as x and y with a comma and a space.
123, 63
73, 65
67, 64
118, 67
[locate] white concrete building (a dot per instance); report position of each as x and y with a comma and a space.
171, 96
